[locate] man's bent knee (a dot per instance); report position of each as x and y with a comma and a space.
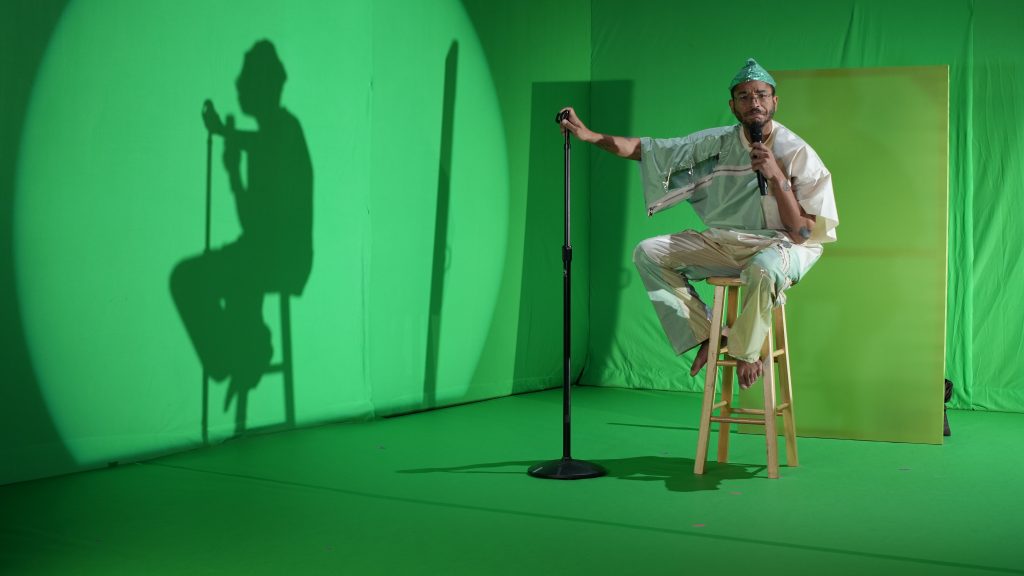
642, 251
772, 266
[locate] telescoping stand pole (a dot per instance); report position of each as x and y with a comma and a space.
566, 468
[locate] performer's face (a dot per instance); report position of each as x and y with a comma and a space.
753, 101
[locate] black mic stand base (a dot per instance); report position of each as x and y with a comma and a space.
566, 469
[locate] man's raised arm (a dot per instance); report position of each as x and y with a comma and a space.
621, 146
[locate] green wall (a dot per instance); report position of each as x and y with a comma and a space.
101, 194
31, 444
679, 58
420, 118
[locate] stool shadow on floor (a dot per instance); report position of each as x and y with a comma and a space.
676, 473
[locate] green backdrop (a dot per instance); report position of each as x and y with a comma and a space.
423, 177
429, 253
679, 60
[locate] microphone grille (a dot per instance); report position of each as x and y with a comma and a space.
755, 132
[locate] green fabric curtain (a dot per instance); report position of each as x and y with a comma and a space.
660, 67
432, 219
993, 329
680, 57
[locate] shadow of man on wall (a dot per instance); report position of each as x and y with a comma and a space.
219, 293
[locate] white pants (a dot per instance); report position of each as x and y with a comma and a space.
766, 266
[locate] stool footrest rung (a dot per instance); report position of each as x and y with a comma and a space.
718, 405
760, 411
731, 362
737, 420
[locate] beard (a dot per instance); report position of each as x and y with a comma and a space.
767, 113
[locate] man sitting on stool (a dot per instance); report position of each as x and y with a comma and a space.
768, 237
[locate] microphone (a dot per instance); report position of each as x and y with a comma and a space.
757, 136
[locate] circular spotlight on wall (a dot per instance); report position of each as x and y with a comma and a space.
110, 188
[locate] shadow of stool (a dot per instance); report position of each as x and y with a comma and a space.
283, 367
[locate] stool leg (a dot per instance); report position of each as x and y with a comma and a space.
286, 360
241, 411
728, 374
711, 370
205, 417
786, 387
770, 433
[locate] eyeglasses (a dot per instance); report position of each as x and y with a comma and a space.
748, 97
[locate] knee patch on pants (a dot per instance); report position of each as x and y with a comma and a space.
771, 265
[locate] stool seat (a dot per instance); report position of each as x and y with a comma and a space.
724, 281
775, 350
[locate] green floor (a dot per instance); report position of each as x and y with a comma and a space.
445, 492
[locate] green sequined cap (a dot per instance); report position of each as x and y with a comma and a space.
752, 71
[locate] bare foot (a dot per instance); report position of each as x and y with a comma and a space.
702, 356
701, 359
748, 372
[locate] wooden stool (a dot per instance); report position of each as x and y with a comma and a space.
773, 350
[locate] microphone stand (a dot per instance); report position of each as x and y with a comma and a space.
566, 468
205, 424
